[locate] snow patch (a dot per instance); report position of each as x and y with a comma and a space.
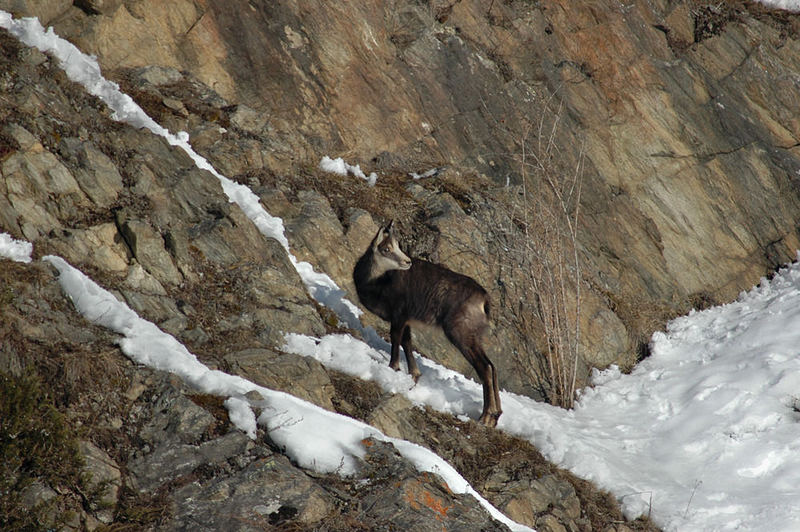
338, 166
430, 173
788, 5
16, 250
241, 415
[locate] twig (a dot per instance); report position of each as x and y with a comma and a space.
697, 484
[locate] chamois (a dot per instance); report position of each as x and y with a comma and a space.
400, 290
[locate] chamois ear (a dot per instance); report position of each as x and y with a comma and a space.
379, 236
387, 230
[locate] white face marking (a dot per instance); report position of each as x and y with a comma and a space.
387, 254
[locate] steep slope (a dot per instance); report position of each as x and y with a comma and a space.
144, 221
679, 115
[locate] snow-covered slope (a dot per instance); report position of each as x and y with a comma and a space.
703, 435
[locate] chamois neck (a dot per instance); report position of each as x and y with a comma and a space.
376, 270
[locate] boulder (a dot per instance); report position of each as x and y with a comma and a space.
267, 492
301, 376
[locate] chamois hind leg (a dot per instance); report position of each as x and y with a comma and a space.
491, 395
412, 362
496, 393
472, 350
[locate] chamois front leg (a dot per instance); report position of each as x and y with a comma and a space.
395, 335
400, 334
412, 362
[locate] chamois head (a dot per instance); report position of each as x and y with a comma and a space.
387, 254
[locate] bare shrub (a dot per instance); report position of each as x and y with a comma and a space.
540, 232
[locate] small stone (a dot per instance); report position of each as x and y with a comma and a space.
135, 390
158, 75
91, 522
175, 105
24, 139
391, 417
254, 395
96, 174
248, 119
36, 493
549, 523
139, 279
303, 377
148, 248
196, 335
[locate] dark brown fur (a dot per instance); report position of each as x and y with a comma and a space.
430, 294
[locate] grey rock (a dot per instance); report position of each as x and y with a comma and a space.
21, 136
318, 236
413, 500
176, 105
391, 417
40, 190
39, 496
254, 396
34, 57
232, 157
196, 336
95, 172
100, 245
140, 280
526, 500
148, 248
304, 377
104, 474
37, 493
172, 460
361, 229
153, 307
157, 75
264, 492
173, 416
549, 523
248, 119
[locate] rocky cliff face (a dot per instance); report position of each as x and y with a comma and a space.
680, 117
680, 113
90, 440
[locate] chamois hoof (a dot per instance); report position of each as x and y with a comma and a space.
490, 419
